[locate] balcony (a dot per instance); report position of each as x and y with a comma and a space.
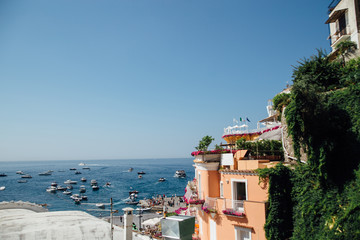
234, 208
339, 36
210, 205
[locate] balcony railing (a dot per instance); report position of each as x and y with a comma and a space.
236, 205
338, 35
210, 202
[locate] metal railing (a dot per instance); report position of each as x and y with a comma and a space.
338, 34
210, 202
236, 205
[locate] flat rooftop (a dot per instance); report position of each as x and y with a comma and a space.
29, 225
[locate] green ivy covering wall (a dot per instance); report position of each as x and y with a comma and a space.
322, 197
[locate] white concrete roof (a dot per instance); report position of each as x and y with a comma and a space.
28, 225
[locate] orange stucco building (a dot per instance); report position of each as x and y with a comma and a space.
235, 201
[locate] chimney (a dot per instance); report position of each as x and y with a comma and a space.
128, 220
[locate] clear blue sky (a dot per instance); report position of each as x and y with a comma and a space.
113, 79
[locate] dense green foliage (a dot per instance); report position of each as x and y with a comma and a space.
261, 148
204, 143
323, 118
279, 222
280, 101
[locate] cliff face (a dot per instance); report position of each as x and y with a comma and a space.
288, 144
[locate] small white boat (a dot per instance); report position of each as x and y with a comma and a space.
47, 173
70, 182
130, 169
20, 172
82, 190
2, 188
69, 187
82, 164
143, 209
180, 174
66, 192
83, 197
162, 179
51, 189
61, 188
100, 205
54, 184
26, 176
83, 179
75, 196
93, 182
95, 187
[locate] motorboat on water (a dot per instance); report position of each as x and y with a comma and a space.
95, 187
22, 181
143, 209
83, 179
180, 174
75, 196
51, 189
26, 176
66, 192
83, 197
142, 172
54, 184
130, 169
162, 179
72, 169
77, 172
132, 202
134, 191
82, 189
61, 188
86, 168
45, 173
82, 164
108, 184
70, 182
100, 205
2, 188
69, 187
93, 182
3, 175
20, 172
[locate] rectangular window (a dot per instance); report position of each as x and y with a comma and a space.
239, 193
242, 233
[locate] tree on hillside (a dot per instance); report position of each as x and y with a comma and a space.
344, 48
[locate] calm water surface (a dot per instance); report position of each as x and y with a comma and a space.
114, 171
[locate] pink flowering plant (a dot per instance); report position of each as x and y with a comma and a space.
179, 210
196, 202
218, 151
208, 209
232, 212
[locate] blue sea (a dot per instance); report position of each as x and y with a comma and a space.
114, 171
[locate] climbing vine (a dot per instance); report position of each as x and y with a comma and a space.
319, 199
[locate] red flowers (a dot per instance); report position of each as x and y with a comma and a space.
232, 212
213, 152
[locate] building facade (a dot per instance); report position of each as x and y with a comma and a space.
231, 203
344, 23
